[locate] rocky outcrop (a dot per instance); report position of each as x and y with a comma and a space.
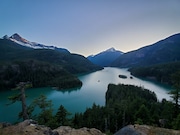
145, 130
30, 127
65, 130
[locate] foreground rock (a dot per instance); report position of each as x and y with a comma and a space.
65, 130
29, 127
145, 130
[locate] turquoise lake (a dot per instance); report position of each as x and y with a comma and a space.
77, 100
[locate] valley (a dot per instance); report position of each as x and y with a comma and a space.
88, 85
76, 100
88, 67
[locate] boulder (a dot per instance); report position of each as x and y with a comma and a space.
128, 130
145, 130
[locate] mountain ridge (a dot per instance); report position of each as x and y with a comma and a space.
24, 42
10, 51
105, 58
16, 60
163, 51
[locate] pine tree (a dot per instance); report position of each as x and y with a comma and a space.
22, 97
62, 115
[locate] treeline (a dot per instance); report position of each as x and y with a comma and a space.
128, 104
133, 104
160, 72
125, 104
40, 74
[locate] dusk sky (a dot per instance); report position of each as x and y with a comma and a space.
90, 26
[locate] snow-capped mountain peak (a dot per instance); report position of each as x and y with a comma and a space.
106, 57
22, 41
110, 50
17, 37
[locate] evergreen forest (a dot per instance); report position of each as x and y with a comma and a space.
159, 72
40, 74
42, 67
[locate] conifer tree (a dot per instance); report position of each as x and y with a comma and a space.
62, 115
21, 97
46, 109
175, 93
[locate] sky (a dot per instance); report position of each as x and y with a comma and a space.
90, 26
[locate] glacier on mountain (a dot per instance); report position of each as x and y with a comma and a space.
22, 41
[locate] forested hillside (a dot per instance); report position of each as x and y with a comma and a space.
42, 67
128, 104
73, 63
160, 72
41, 74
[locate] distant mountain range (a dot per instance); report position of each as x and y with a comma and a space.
105, 58
22, 60
21, 41
18, 54
164, 51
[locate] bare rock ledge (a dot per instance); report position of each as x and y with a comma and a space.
29, 127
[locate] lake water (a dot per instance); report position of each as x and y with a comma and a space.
77, 100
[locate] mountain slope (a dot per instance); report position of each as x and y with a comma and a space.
167, 50
43, 67
40, 74
159, 72
74, 63
105, 58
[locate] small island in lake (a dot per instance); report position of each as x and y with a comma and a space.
123, 76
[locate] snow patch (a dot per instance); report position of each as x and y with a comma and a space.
19, 40
110, 50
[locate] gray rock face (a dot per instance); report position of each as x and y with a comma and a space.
65, 130
30, 127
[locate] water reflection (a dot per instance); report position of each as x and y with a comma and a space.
67, 90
